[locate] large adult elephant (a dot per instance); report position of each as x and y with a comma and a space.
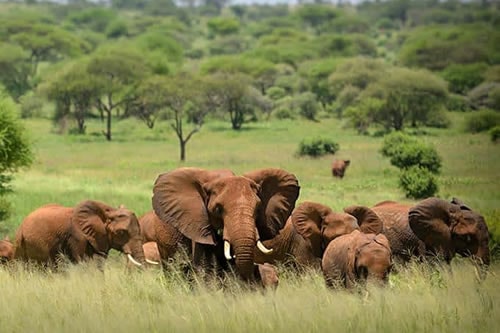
452, 227
403, 241
309, 230
89, 229
225, 216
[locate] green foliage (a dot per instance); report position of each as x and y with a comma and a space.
316, 73
394, 141
418, 182
361, 114
462, 78
481, 121
228, 45
408, 95
31, 105
223, 26
437, 47
156, 41
94, 18
276, 93
117, 28
15, 69
316, 16
495, 133
316, 147
333, 45
457, 102
307, 105
416, 154
15, 150
483, 96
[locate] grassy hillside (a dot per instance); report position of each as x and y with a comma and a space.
69, 169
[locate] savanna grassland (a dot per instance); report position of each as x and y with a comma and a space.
72, 168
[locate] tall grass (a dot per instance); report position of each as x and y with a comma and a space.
84, 299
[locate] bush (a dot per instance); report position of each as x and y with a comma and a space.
495, 133
482, 121
456, 102
438, 119
419, 154
393, 141
31, 105
418, 182
276, 93
463, 77
317, 147
307, 105
116, 28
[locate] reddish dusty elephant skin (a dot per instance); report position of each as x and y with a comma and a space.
447, 228
167, 238
357, 258
309, 230
339, 167
6, 250
403, 241
224, 215
91, 228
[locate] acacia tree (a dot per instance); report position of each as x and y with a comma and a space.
118, 73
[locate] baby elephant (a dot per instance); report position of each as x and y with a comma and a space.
357, 257
339, 167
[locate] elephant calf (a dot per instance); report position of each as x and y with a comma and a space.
357, 257
339, 167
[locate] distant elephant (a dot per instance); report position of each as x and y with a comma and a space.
167, 238
452, 227
339, 167
356, 258
309, 230
6, 250
404, 243
225, 216
90, 229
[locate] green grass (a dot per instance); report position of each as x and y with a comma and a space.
69, 169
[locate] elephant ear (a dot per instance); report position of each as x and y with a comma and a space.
179, 199
278, 193
369, 222
431, 221
90, 216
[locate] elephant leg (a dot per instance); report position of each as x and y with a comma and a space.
267, 276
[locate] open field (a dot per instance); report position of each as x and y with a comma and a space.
69, 169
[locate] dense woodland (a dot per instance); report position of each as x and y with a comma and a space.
379, 65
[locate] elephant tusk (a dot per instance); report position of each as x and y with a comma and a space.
135, 262
227, 250
262, 248
152, 262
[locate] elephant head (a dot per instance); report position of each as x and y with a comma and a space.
6, 250
320, 224
369, 222
202, 204
370, 258
105, 227
447, 228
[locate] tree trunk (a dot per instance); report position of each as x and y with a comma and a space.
108, 125
182, 145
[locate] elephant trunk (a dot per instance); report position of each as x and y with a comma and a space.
483, 253
240, 233
135, 251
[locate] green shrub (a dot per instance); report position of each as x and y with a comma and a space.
316, 147
31, 105
276, 93
456, 102
307, 105
418, 182
463, 77
419, 154
393, 141
116, 28
438, 119
482, 121
495, 133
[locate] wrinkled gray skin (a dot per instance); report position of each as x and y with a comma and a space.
309, 230
88, 230
357, 258
447, 228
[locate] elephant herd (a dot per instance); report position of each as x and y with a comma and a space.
249, 223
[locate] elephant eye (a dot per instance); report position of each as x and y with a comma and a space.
218, 210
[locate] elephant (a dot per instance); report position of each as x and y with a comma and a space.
403, 241
339, 167
6, 250
447, 228
167, 238
225, 216
88, 230
357, 258
310, 228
